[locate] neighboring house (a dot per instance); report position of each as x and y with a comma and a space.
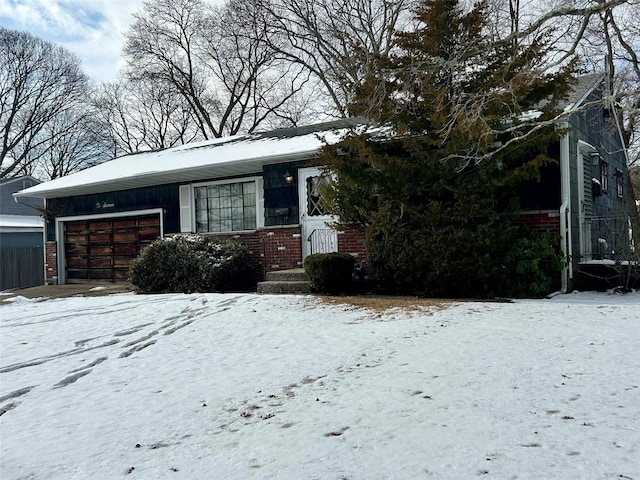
261, 189
21, 236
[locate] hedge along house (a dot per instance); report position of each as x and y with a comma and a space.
257, 188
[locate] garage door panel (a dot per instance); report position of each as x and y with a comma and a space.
104, 249
100, 274
128, 223
100, 237
101, 226
100, 251
125, 237
150, 222
148, 234
76, 249
76, 227
130, 250
77, 274
76, 262
77, 238
122, 262
101, 262
121, 275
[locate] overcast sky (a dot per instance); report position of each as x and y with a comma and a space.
92, 29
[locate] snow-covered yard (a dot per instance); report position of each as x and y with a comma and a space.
288, 387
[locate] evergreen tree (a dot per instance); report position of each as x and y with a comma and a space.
435, 187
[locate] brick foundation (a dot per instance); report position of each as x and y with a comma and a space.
542, 221
273, 248
51, 263
353, 242
280, 248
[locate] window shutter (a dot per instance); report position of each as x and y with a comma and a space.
260, 202
185, 209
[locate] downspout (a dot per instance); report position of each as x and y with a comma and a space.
44, 241
565, 209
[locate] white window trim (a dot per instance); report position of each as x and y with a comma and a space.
259, 185
61, 260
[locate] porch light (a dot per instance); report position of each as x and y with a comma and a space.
288, 177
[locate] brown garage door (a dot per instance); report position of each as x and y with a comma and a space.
103, 249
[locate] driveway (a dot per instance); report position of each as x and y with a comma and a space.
70, 290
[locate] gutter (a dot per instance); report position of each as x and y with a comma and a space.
155, 177
565, 209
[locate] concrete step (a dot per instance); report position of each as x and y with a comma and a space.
284, 287
286, 281
293, 275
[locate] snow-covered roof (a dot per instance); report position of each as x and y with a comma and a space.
20, 222
223, 157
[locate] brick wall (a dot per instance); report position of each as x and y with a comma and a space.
273, 248
280, 248
542, 221
353, 242
51, 263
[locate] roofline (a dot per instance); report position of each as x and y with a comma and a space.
21, 177
120, 184
588, 92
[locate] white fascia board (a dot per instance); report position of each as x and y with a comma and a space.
177, 175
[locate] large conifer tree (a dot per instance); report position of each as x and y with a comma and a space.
435, 187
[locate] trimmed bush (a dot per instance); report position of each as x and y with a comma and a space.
191, 263
534, 263
330, 273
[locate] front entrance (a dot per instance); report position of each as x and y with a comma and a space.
317, 236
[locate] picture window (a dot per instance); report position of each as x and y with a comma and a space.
226, 207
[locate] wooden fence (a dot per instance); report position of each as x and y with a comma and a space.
21, 267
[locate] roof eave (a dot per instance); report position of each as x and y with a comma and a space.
202, 172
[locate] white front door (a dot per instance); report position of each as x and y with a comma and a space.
317, 236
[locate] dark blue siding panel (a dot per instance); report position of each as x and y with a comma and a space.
280, 198
161, 196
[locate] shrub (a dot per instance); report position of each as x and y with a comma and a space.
534, 263
191, 263
330, 272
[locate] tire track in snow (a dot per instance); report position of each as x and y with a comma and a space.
11, 396
17, 393
72, 378
55, 356
169, 326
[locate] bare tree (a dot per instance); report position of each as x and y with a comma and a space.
145, 115
336, 41
229, 80
39, 82
77, 139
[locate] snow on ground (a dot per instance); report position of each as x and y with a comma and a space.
287, 387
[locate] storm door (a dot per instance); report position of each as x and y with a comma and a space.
317, 236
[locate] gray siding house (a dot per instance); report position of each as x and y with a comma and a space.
21, 235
